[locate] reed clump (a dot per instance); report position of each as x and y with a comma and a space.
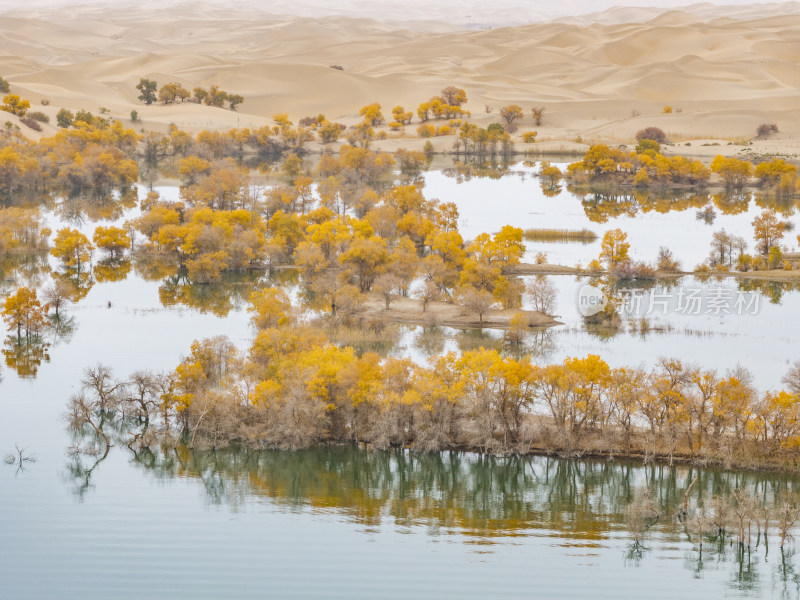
581, 236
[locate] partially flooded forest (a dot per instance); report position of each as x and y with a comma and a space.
402, 347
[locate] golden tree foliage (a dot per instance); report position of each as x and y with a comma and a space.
643, 167
372, 114
511, 113
173, 92
72, 248
295, 388
115, 240
15, 105
767, 230
271, 308
23, 312
401, 116
614, 247
733, 171
774, 172
207, 241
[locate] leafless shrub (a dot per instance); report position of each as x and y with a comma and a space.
32, 123
633, 270
537, 112
18, 457
641, 514
787, 513
38, 115
58, 295
651, 133
766, 129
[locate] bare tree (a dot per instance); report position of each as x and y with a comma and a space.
725, 248
100, 381
742, 506
720, 514
478, 301
537, 112
542, 294
427, 293
58, 296
82, 411
640, 514
143, 394
19, 458
792, 378
698, 526
666, 261
786, 516
387, 286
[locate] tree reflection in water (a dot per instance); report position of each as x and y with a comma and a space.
26, 355
483, 499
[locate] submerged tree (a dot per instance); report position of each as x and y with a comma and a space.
72, 247
115, 240
23, 313
767, 230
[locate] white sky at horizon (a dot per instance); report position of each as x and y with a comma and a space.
325, 7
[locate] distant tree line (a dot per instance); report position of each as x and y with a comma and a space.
150, 93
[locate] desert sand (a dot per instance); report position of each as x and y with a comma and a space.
601, 78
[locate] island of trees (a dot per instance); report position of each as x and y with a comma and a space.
362, 238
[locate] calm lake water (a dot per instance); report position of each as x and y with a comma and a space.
657, 219
347, 523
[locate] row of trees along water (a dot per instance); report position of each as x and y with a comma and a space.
645, 166
294, 389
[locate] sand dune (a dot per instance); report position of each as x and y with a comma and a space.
726, 70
